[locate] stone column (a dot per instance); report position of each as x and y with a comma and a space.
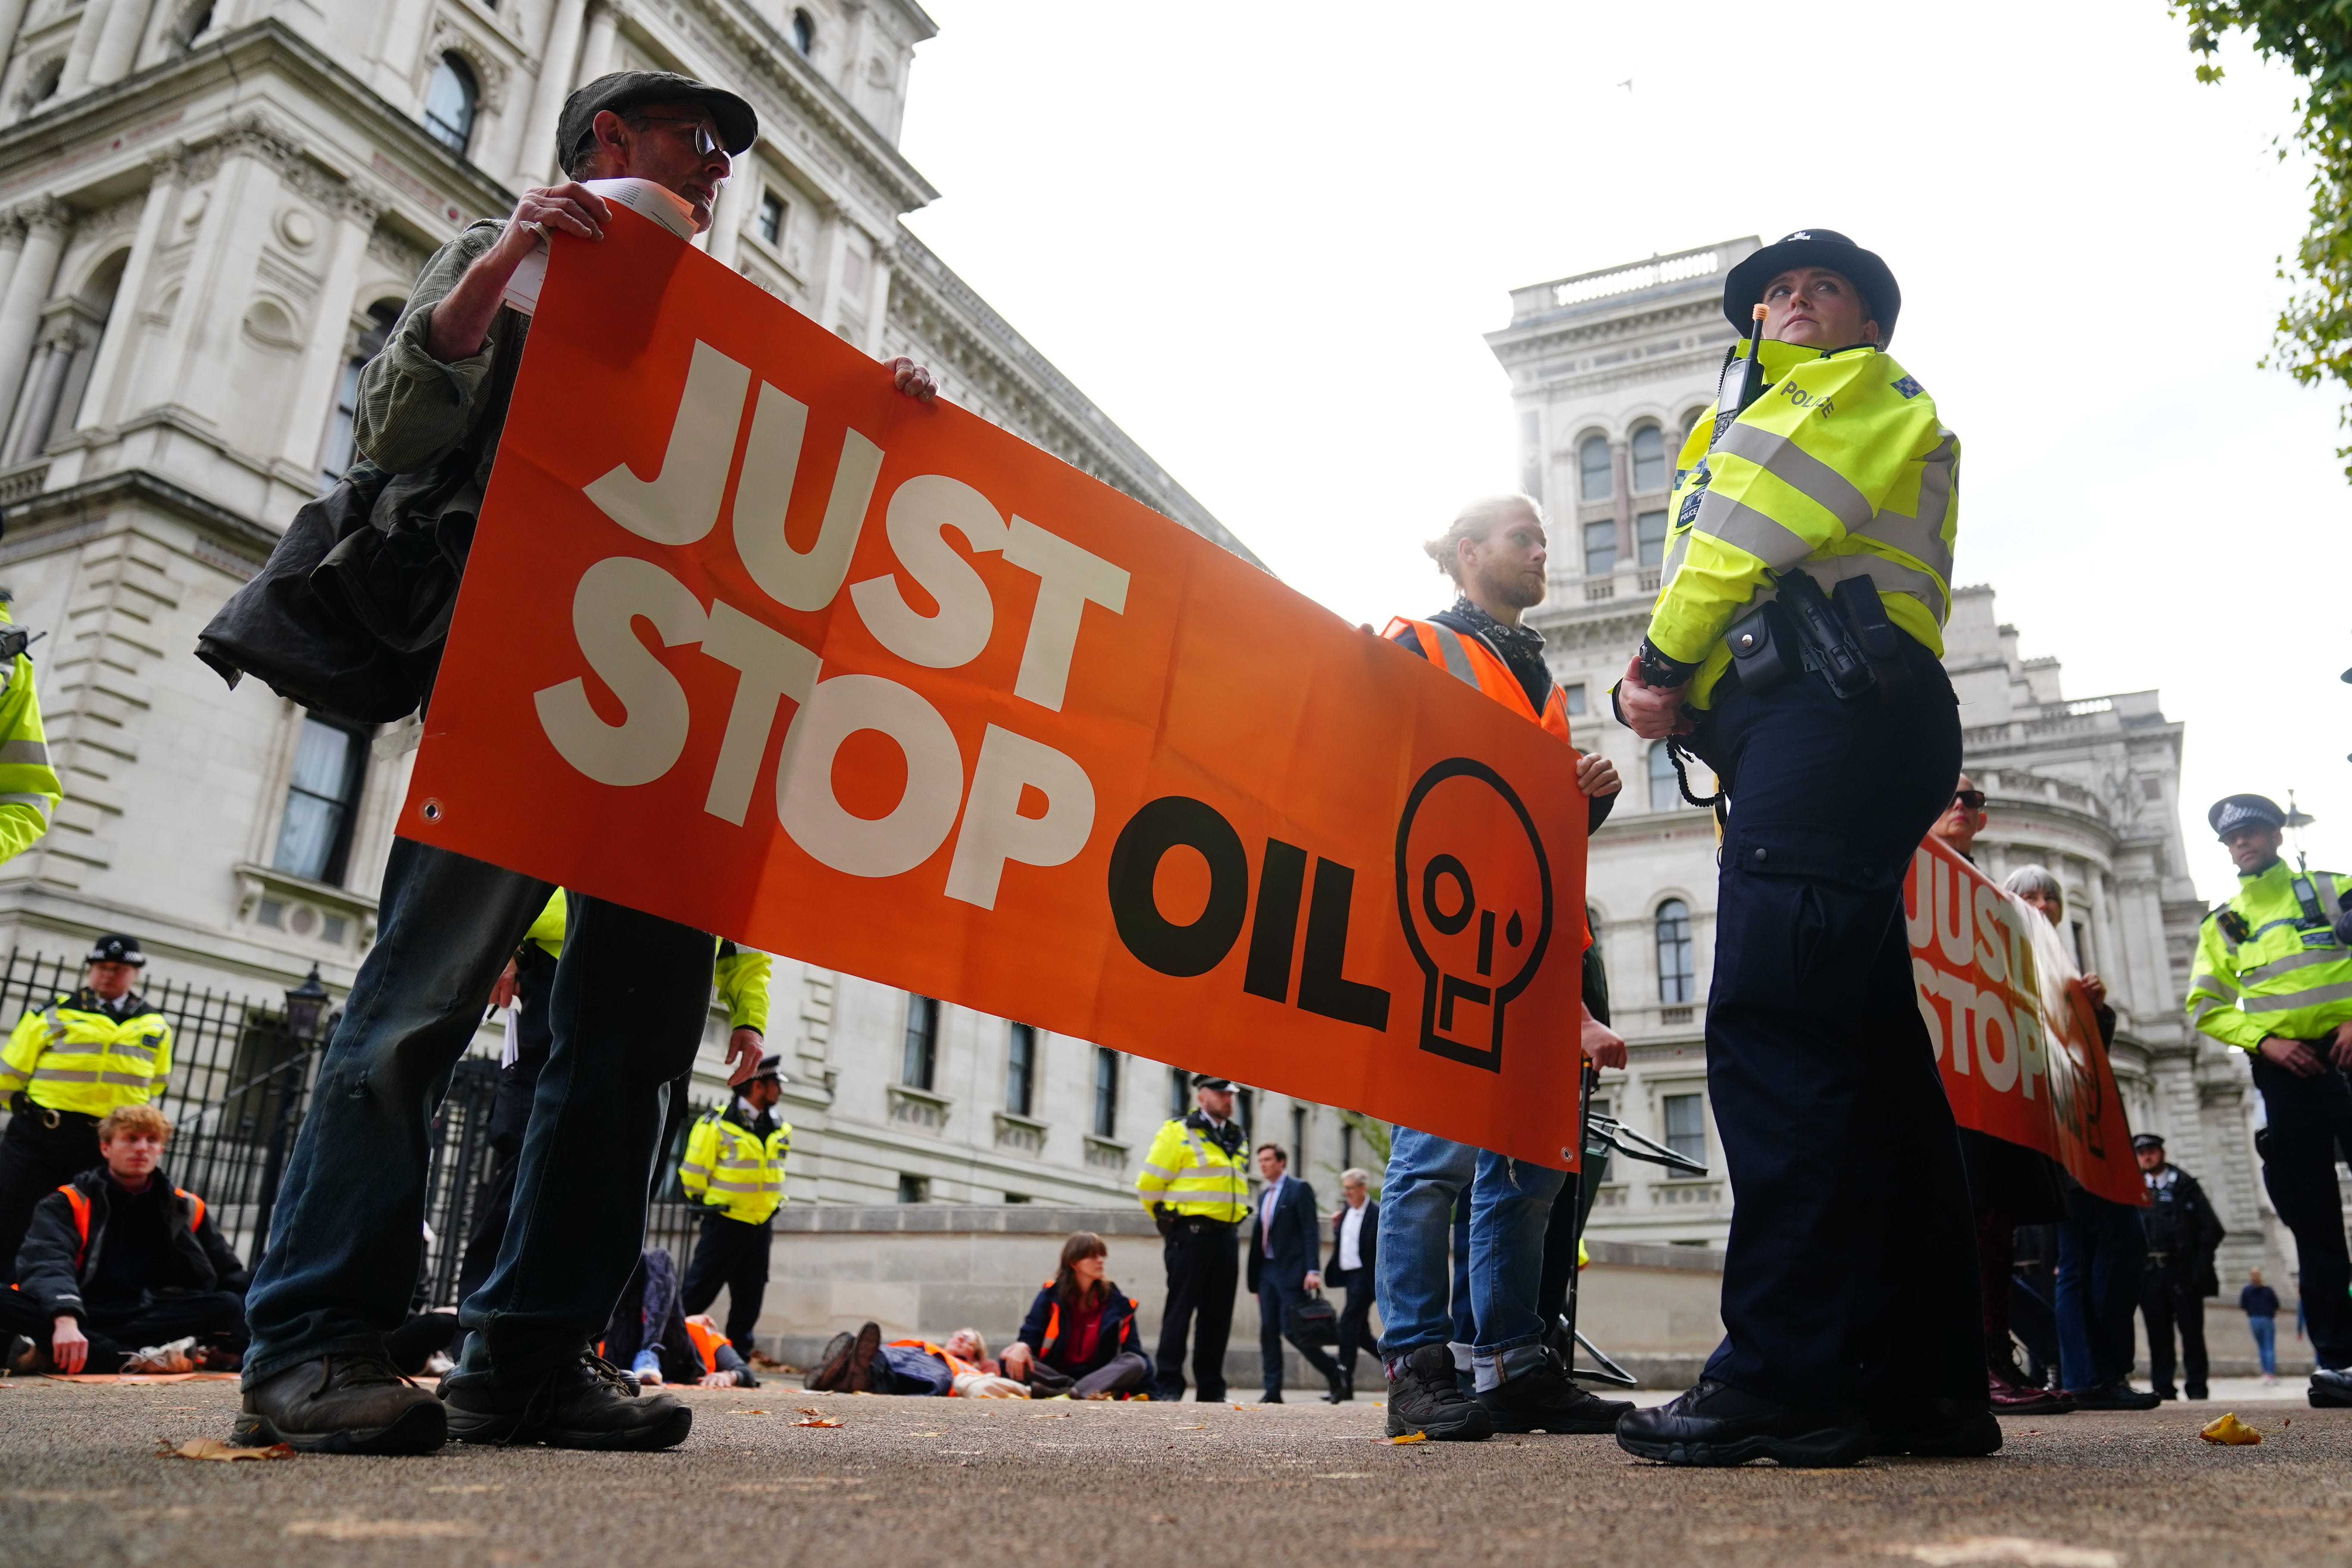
84, 47
118, 43
726, 215
12, 19
877, 305
28, 290
539, 155
165, 173
12, 246
322, 360
603, 40
1620, 470
60, 340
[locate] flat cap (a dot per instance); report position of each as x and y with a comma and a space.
738, 122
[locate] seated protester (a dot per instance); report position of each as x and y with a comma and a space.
651, 1336
119, 1259
1079, 1337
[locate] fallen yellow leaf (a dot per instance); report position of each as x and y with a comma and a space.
1411, 1438
817, 1421
213, 1449
2229, 1429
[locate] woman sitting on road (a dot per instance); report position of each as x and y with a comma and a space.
1080, 1337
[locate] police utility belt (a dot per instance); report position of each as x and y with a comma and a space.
1843, 637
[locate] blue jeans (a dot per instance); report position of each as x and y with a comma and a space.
1510, 1202
627, 1010
2265, 1342
2102, 1258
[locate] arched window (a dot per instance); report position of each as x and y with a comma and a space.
804, 32
1649, 459
1677, 978
1666, 790
1592, 477
450, 101
335, 453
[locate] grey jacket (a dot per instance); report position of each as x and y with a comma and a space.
413, 409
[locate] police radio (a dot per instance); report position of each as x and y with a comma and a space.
1742, 382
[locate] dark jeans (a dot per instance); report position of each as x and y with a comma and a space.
1205, 1268
36, 1160
2101, 1255
115, 1332
1850, 1278
1355, 1325
1274, 1300
2310, 1120
648, 1316
2169, 1300
628, 1006
2035, 1321
733, 1254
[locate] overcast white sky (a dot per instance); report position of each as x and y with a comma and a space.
1267, 241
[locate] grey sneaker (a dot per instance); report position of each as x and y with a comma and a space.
1423, 1398
341, 1405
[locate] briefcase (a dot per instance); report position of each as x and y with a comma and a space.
1313, 1322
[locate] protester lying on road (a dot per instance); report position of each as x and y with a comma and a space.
651, 1336
1080, 1337
119, 1259
862, 1364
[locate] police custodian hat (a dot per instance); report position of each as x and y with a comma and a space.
738, 122
2143, 1141
771, 1066
116, 948
1210, 1080
1744, 289
2233, 812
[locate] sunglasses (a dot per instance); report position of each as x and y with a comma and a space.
705, 143
1973, 799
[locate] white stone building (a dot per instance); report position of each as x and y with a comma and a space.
1608, 371
209, 212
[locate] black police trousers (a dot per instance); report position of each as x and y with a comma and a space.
731, 1253
2169, 1302
2310, 1120
1204, 1269
36, 1160
1850, 1277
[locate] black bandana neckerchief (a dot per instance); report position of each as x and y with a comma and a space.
1511, 642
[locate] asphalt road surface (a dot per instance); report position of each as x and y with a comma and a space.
905, 1483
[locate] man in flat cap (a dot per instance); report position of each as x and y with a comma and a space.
2273, 979
1195, 1184
629, 995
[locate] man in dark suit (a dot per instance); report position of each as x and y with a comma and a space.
1282, 1267
1355, 1247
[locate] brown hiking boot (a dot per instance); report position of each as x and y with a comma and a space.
355, 1404
857, 1377
832, 1366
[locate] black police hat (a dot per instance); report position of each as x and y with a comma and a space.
2146, 1141
771, 1066
1744, 289
738, 122
116, 948
2235, 811
1210, 1080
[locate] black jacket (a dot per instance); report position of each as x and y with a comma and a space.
1041, 1330
53, 1264
2181, 1223
1368, 1240
1294, 1236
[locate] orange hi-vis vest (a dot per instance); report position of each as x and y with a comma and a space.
1474, 660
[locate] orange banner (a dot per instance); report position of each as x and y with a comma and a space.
2015, 1037
751, 641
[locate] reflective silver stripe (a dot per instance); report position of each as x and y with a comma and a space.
2311, 998
1918, 540
1677, 548
1457, 658
46, 1074
39, 803
1888, 576
1800, 471
2219, 984
743, 1187
694, 1170
29, 754
1744, 528
2198, 1013
2294, 961
2325, 884
1152, 1169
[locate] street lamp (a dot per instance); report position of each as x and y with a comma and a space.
305, 1004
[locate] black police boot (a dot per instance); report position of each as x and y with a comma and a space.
1423, 1399
2118, 1395
1343, 1388
2331, 1388
1714, 1424
1937, 1429
1546, 1399
586, 1404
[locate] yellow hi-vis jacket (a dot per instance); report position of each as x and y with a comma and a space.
741, 972
29, 791
72, 1055
730, 1167
1840, 467
1190, 1170
2289, 977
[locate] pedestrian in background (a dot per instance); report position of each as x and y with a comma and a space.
2182, 1232
1282, 1272
2260, 1303
1353, 1266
